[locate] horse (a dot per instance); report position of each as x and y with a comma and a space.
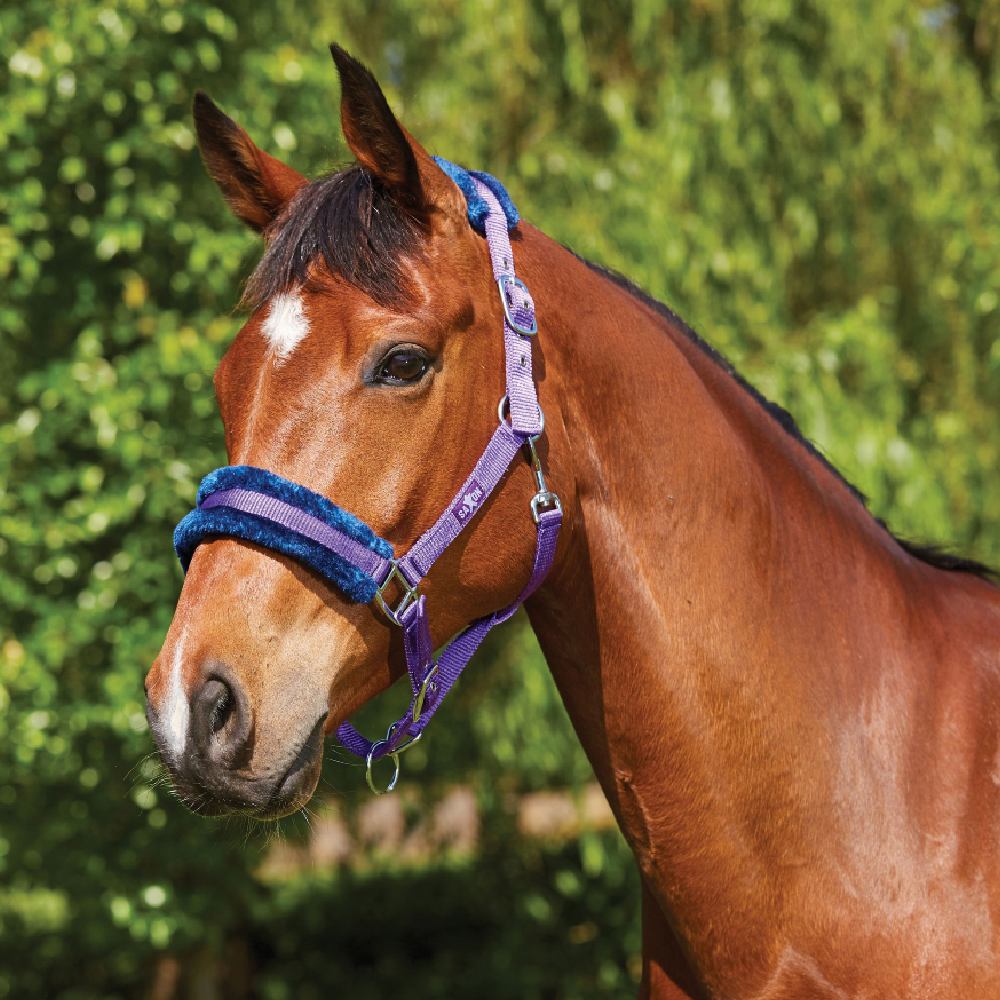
794, 715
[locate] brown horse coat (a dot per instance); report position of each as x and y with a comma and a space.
793, 716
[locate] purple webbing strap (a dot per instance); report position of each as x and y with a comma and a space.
501, 450
525, 414
288, 516
456, 655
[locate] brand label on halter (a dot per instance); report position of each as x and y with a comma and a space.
469, 502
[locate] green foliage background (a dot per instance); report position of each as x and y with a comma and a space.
814, 186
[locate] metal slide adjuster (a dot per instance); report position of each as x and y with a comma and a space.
544, 500
418, 702
504, 406
504, 282
409, 594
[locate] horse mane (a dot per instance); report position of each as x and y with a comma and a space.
350, 220
933, 555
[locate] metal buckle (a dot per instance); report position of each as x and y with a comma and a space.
503, 283
408, 597
544, 498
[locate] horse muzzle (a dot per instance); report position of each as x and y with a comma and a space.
214, 763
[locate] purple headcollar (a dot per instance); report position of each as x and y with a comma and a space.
261, 507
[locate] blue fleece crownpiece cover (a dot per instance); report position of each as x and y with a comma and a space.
226, 522
478, 209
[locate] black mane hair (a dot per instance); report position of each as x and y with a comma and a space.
933, 555
350, 220
363, 235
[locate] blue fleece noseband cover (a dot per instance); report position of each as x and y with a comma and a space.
228, 522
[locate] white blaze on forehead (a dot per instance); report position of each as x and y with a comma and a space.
285, 324
175, 714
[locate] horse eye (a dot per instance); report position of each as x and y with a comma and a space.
403, 367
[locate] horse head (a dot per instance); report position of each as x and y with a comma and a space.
368, 372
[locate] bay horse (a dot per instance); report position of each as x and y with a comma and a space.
794, 715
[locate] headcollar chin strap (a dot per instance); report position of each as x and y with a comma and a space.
264, 508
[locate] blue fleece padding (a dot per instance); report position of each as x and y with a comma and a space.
248, 477
478, 209
214, 522
225, 522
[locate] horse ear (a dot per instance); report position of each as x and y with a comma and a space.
256, 185
384, 148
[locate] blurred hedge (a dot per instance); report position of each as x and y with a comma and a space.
814, 186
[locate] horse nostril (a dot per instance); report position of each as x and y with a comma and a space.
222, 711
221, 722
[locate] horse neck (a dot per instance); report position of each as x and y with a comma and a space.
710, 558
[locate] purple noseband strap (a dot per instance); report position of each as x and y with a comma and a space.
285, 515
261, 507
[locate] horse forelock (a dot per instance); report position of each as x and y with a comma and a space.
350, 223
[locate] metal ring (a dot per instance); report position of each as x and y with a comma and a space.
505, 402
369, 760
